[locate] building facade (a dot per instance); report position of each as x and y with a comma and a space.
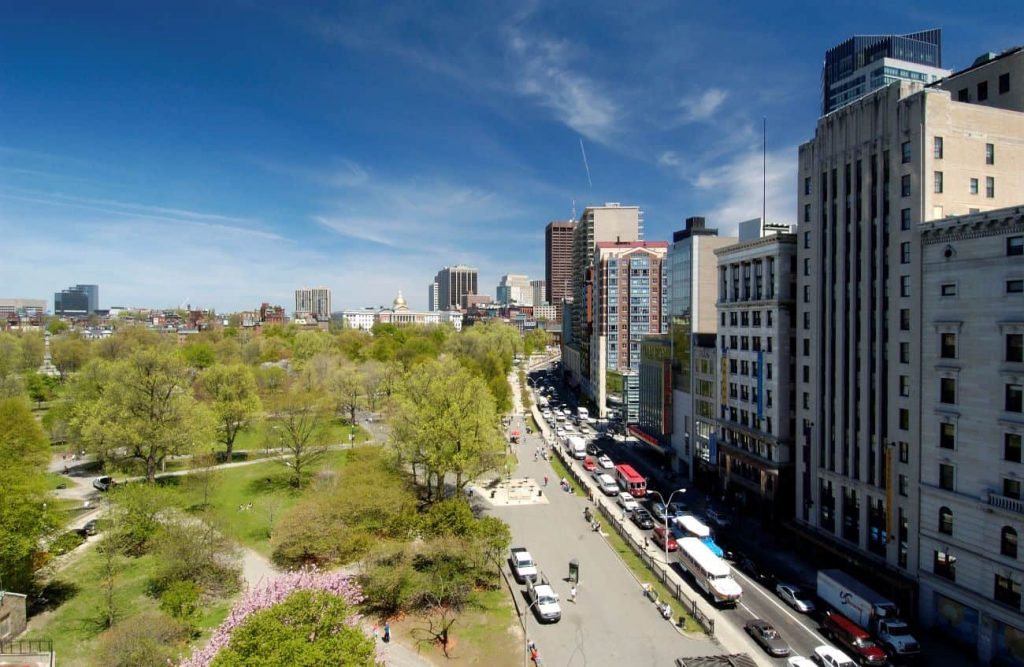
609, 223
399, 315
865, 63
313, 302
692, 296
453, 284
539, 290
971, 291
756, 311
432, 296
876, 169
77, 301
630, 300
558, 237
514, 288
22, 307
654, 412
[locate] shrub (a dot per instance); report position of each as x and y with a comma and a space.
181, 600
66, 542
149, 639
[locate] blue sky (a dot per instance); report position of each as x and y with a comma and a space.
225, 153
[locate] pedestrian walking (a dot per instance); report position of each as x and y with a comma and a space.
387, 632
572, 594
545, 480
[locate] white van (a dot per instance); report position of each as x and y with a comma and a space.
606, 483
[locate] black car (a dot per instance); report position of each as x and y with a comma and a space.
642, 518
593, 449
755, 571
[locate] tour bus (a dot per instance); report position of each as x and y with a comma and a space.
630, 480
691, 526
710, 573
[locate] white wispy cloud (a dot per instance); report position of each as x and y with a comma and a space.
701, 107
735, 188
543, 70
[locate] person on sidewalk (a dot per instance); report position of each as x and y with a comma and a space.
572, 594
387, 632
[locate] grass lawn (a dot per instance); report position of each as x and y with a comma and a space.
485, 633
561, 471
71, 625
640, 570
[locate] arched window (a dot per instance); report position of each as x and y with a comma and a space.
1008, 542
945, 521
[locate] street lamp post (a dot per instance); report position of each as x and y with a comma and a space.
665, 514
526, 647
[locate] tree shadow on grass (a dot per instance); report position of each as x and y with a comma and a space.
55, 593
275, 482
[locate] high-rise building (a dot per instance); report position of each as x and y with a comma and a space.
453, 284
875, 171
514, 288
756, 308
692, 297
865, 63
314, 301
611, 222
77, 301
630, 301
22, 307
539, 290
971, 389
432, 297
558, 260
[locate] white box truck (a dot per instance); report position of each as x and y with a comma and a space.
868, 609
576, 446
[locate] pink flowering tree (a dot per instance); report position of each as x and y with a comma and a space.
273, 593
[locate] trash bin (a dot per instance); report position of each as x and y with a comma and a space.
574, 571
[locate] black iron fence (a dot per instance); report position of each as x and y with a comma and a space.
25, 646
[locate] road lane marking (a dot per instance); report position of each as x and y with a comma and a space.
785, 610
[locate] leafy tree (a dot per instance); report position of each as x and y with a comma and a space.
68, 353
199, 355
10, 354
32, 350
24, 515
270, 379
307, 629
298, 428
188, 549
446, 424
40, 387
145, 411
135, 516
535, 341
353, 343
181, 601
310, 343
348, 390
55, 326
148, 639
234, 400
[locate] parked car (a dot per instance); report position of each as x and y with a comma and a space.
627, 502
853, 639
755, 571
767, 636
718, 517
606, 483
658, 537
678, 508
799, 661
642, 518
827, 656
658, 511
605, 462
544, 602
103, 483
794, 597
588, 464
593, 449
89, 528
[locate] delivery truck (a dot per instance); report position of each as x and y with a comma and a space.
868, 609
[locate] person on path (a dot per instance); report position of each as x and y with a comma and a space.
545, 480
387, 632
572, 594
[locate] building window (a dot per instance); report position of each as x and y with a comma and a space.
945, 565
905, 252
947, 391
904, 419
1007, 591
982, 91
807, 186
768, 368
905, 185
904, 486
963, 95
806, 401
768, 317
1014, 398
937, 150
974, 186
945, 521
904, 353
904, 452
990, 153
905, 219
947, 435
1014, 286
904, 385
904, 319
807, 212
905, 151
1004, 83
947, 476
904, 286
807, 347
1015, 347
947, 346
938, 182
1011, 488
807, 373
1011, 447
807, 320
807, 293
990, 187
1008, 542
1015, 245
948, 289
807, 240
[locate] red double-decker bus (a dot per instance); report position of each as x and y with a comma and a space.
630, 480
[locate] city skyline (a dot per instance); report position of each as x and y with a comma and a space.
173, 160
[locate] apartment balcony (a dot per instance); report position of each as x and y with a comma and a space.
1005, 502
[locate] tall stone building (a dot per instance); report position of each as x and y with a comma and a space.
558, 261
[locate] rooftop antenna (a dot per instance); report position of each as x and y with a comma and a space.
585, 165
764, 171
573, 209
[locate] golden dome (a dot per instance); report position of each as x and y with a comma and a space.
399, 302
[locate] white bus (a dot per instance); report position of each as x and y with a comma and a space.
583, 414
710, 573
